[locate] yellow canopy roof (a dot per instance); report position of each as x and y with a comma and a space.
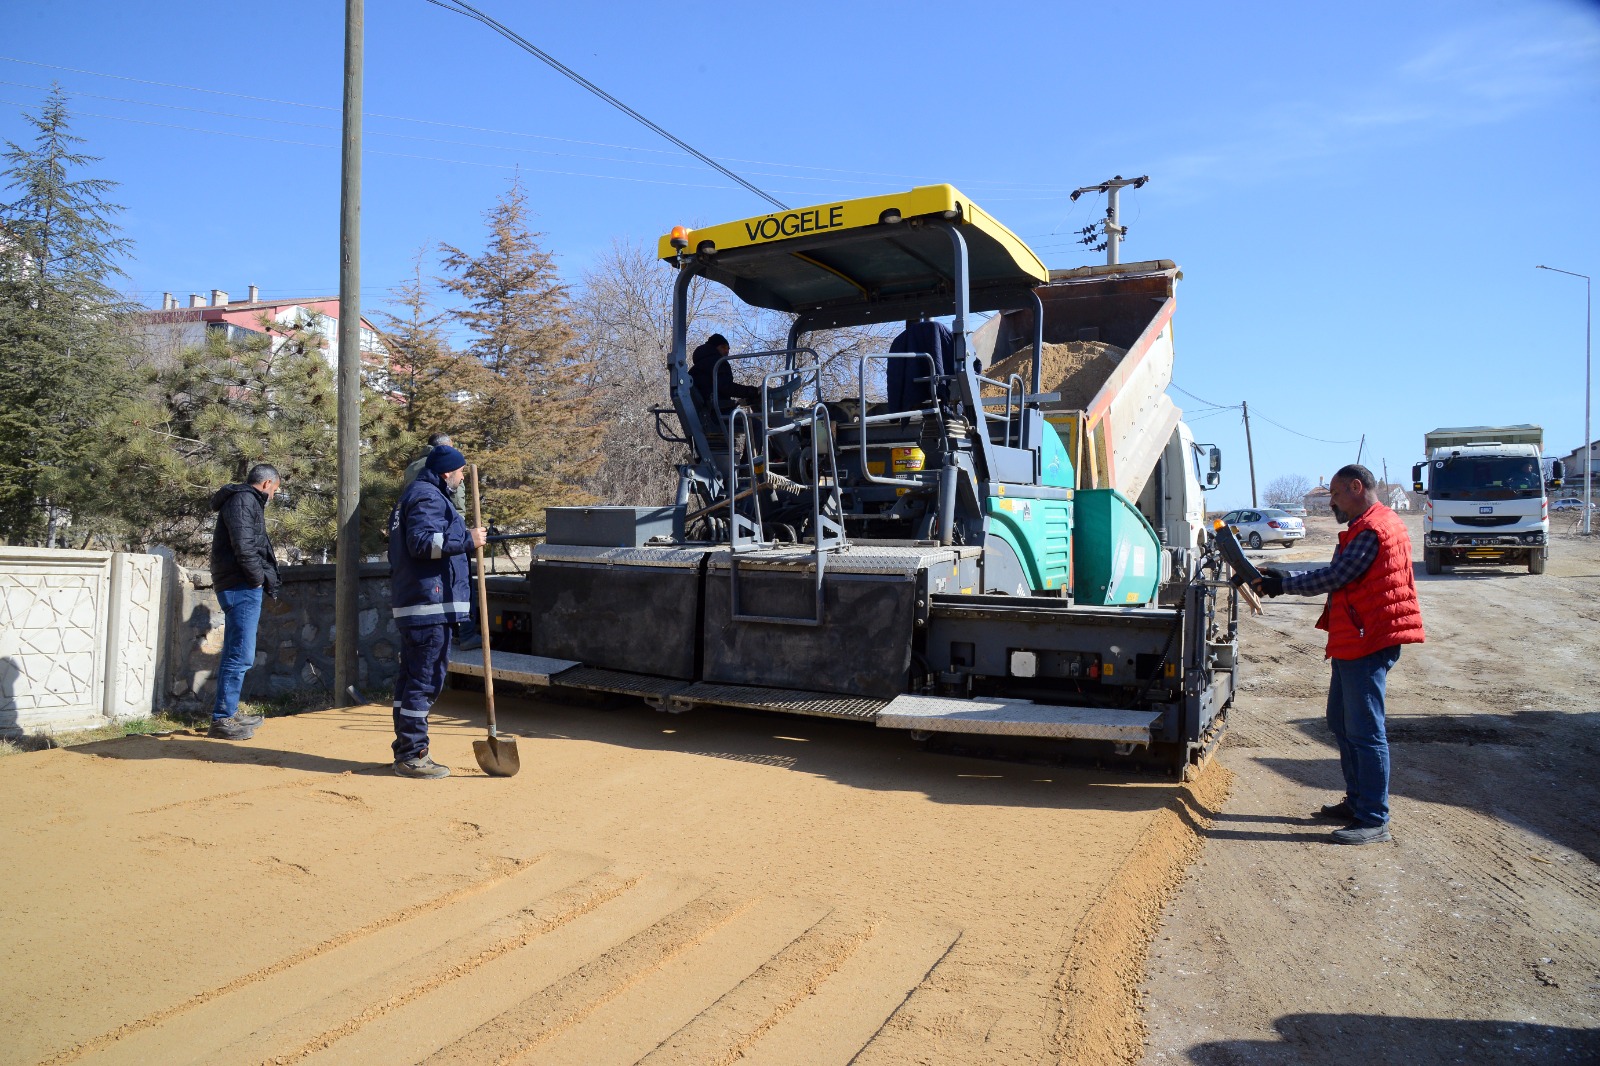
866, 260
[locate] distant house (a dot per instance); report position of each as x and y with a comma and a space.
1317, 500
1574, 461
172, 328
1398, 498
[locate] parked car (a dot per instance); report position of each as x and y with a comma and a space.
1570, 503
1293, 510
1261, 525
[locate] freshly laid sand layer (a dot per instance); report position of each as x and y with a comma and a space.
697, 888
1075, 369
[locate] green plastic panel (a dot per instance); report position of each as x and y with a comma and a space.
1115, 552
1040, 532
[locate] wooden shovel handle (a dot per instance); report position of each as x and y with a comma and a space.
483, 607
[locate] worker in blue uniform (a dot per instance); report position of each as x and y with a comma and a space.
428, 545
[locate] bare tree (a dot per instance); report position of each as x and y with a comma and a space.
1289, 488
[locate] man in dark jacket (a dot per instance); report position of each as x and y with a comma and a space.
459, 496
243, 569
428, 546
704, 370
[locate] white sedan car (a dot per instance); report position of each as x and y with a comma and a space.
1569, 503
1256, 526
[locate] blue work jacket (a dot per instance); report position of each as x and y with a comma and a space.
428, 545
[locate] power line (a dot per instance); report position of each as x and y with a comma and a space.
461, 7
1197, 399
998, 184
1297, 433
375, 151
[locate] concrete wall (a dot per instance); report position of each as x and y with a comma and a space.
80, 637
294, 643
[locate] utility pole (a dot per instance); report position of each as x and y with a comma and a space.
1250, 451
1110, 227
347, 575
1361, 448
1588, 339
1386, 473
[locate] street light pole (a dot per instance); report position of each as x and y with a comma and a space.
1588, 339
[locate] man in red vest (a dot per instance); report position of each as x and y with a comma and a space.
1371, 611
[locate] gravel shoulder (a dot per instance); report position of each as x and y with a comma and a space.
1475, 936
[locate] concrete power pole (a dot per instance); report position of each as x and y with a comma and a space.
1249, 450
1111, 226
347, 576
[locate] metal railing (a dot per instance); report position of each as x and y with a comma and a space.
827, 532
863, 420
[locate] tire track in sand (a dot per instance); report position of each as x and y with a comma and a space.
511, 869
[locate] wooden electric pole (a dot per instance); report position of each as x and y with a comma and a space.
1249, 451
347, 575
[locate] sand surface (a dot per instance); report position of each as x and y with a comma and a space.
1075, 369
705, 888
1475, 936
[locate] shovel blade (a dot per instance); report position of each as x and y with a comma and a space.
497, 756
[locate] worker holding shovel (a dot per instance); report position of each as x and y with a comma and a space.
428, 545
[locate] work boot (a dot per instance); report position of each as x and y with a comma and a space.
1338, 812
420, 766
239, 727
251, 720
470, 642
1362, 834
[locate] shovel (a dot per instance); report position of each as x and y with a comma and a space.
497, 755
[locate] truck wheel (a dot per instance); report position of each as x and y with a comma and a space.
1431, 561
1536, 560
1255, 541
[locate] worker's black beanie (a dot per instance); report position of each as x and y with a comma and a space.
716, 339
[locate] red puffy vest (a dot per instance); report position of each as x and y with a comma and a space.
1379, 609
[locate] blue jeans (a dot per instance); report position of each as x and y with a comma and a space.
242, 610
1355, 714
424, 660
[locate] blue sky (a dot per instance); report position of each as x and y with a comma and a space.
1357, 193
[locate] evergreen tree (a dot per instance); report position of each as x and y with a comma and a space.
530, 420
61, 362
423, 369
204, 419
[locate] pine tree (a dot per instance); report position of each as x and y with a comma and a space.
62, 358
423, 369
531, 421
204, 419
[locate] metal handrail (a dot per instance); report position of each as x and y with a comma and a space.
791, 356
826, 534
738, 524
1014, 388
863, 420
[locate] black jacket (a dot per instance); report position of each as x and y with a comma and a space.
929, 338
241, 554
703, 365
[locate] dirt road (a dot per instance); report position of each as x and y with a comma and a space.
707, 888
1475, 936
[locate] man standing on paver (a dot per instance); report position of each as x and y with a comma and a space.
1371, 611
243, 569
428, 546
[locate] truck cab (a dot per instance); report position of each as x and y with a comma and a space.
1486, 497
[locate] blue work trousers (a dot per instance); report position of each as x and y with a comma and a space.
424, 658
1355, 714
241, 612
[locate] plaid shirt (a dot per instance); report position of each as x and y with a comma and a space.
1347, 565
